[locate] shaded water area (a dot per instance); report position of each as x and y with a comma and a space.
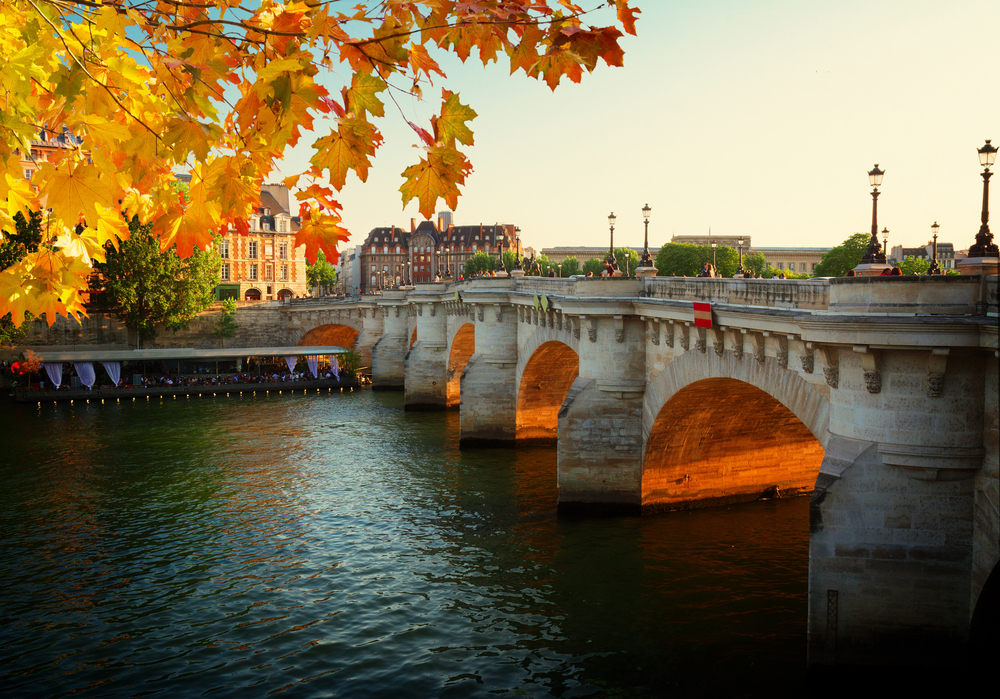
333, 545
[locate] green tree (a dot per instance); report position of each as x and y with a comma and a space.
509, 260
755, 262
480, 262
593, 266
914, 265
680, 260
628, 260
569, 267
145, 286
321, 274
226, 325
26, 238
843, 257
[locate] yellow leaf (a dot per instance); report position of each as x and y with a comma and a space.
73, 189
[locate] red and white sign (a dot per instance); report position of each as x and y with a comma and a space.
703, 315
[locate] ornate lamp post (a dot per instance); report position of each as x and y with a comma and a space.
984, 246
885, 244
934, 269
739, 241
646, 260
517, 248
714, 245
611, 251
874, 254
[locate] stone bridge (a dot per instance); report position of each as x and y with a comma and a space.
876, 395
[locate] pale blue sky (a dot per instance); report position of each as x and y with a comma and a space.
754, 118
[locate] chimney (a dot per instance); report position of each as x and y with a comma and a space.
413, 225
440, 223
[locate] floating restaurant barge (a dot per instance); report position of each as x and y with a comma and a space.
197, 362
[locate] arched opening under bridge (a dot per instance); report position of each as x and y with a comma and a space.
340, 335
462, 347
546, 380
722, 440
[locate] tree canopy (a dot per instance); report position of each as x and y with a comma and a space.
219, 88
480, 262
843, 257
321, 273
25, 239
145, 286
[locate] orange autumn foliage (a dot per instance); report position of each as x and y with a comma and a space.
220, 89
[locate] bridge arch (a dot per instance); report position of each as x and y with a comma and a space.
463, 346
724, 430
544, 382
331, 334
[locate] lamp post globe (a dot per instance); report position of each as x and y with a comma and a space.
646, 261
739, 269
984, 245
874, 253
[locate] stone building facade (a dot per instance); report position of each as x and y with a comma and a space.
391, 256
264, 265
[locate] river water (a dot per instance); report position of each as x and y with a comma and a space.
334, 545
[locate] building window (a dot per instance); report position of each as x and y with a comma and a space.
267, 273
225, 272
253, 273
265, 227
781, 265
803, 267
252, 251
283, 251
814, 267
224, 249
284, 272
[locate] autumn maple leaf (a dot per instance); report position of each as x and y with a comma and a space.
320, 230
437, 176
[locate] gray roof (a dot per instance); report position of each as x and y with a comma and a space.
185, 353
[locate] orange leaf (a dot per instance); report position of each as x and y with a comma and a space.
320, 231
348, 148
627, 15
436, 177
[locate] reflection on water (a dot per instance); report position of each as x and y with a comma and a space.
335, 545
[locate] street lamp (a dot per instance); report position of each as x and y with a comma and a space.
611, 251
647, 261
873, 253
739, 270
985, 247
517, 248
934, 269
714, 245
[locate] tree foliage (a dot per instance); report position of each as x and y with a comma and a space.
226, 325
914, 265
25, 239
220, 88
321, 273
145, 286
480, 262
509, 260
569, 267
843, 257
628, 260
687, 260
594, 266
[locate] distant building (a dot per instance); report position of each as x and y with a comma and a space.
264, 265
45, 148
946, 254
798, 260
390, 255
729, 241
349, 271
